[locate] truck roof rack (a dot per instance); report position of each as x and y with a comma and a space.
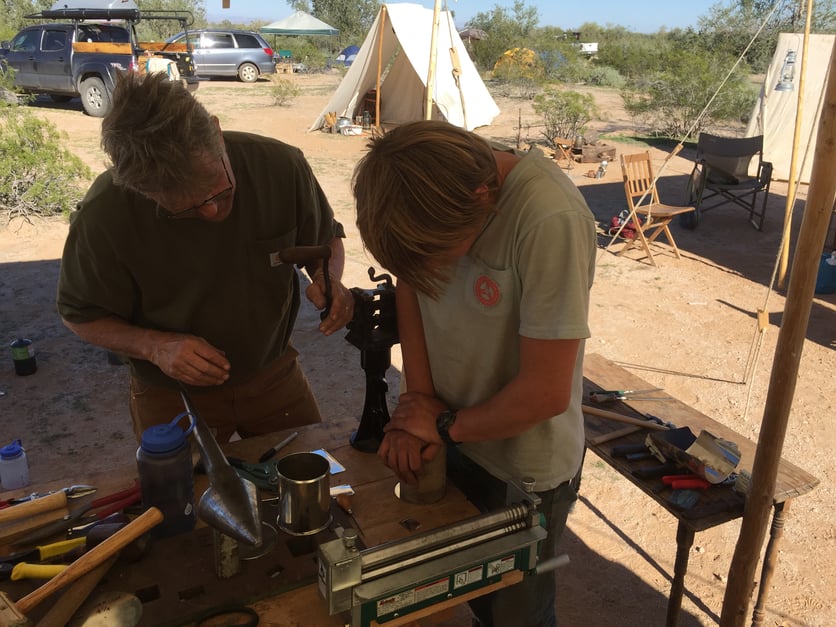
132, 15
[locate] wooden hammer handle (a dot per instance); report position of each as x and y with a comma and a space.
56, 500
95, 556
611, 415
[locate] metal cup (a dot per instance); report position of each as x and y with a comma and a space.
304, 494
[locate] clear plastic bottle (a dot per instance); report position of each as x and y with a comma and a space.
164, 462
14, 466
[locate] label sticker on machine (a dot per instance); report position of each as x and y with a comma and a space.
502, 565
407, 598
467, 577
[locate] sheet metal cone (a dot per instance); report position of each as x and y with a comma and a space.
230, 504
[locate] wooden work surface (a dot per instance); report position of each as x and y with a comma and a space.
718, 504
177, 580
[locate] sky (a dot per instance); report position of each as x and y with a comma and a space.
642, 16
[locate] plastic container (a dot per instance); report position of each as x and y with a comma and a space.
164, 461
826, 280
23, 354
14, 466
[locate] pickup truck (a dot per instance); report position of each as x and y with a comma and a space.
82, 57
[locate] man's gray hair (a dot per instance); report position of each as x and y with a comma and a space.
157, 136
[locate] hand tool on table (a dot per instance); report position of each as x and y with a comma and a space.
651, 422
24, 507
270, 453
686, 482
344, 502
14, 613
83, 514
609, 396
44, 552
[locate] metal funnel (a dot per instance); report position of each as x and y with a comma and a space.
230, 503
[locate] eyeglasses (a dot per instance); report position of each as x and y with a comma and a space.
212, 200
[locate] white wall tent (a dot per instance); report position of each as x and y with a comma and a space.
774, 113
395, 59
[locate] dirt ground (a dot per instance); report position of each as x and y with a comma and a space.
687, 326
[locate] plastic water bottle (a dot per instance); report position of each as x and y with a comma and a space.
14, 466
164, 461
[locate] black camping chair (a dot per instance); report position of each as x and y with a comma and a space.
721, 172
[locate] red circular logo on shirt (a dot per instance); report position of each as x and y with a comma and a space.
486, 291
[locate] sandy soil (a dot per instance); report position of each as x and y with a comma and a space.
686, 326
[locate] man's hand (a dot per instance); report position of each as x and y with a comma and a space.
416, 413
190, 359
342, 303
405, 454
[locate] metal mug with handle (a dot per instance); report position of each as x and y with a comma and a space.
304, 494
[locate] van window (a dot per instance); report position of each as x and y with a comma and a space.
247, 41
218, 40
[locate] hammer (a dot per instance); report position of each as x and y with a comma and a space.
13, 614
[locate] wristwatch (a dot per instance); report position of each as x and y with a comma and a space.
443, 423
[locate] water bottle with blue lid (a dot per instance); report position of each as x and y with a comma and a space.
14, 466
164, 462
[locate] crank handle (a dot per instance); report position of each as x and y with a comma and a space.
551, 564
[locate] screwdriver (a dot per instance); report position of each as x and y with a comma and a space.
344, 502
605, 396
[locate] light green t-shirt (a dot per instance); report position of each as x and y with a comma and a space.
529, 273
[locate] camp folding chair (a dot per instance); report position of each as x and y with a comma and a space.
721, 172
651, 216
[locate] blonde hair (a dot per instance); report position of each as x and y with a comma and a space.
420, 191
157, 136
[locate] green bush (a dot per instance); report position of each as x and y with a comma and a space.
39, 176
564, 112
669, 101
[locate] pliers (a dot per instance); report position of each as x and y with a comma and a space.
83, 517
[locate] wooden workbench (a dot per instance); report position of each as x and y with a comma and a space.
718, 504
177, 582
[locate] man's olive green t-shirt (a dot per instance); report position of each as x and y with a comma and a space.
219, 281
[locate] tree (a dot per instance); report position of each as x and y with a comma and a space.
353, 18
506, 29
12, 14
160, 30
670, 100
730, 28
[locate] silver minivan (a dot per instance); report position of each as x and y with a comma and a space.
229, 52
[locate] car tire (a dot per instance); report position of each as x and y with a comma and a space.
94, 97
248, 73
60, 97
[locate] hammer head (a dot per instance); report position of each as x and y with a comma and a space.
133, 552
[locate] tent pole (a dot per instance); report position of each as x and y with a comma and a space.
785, 364
379, 66
428, 107
793, 178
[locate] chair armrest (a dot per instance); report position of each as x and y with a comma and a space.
764, 173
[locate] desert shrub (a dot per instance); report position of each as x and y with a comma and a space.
564, 112
605, 76
669, 101
283, 90
39, 176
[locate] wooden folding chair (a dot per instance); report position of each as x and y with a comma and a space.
653, 215
563, 150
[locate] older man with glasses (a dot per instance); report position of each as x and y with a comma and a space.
173, 260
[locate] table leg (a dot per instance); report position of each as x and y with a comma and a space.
776, 531
684, 542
